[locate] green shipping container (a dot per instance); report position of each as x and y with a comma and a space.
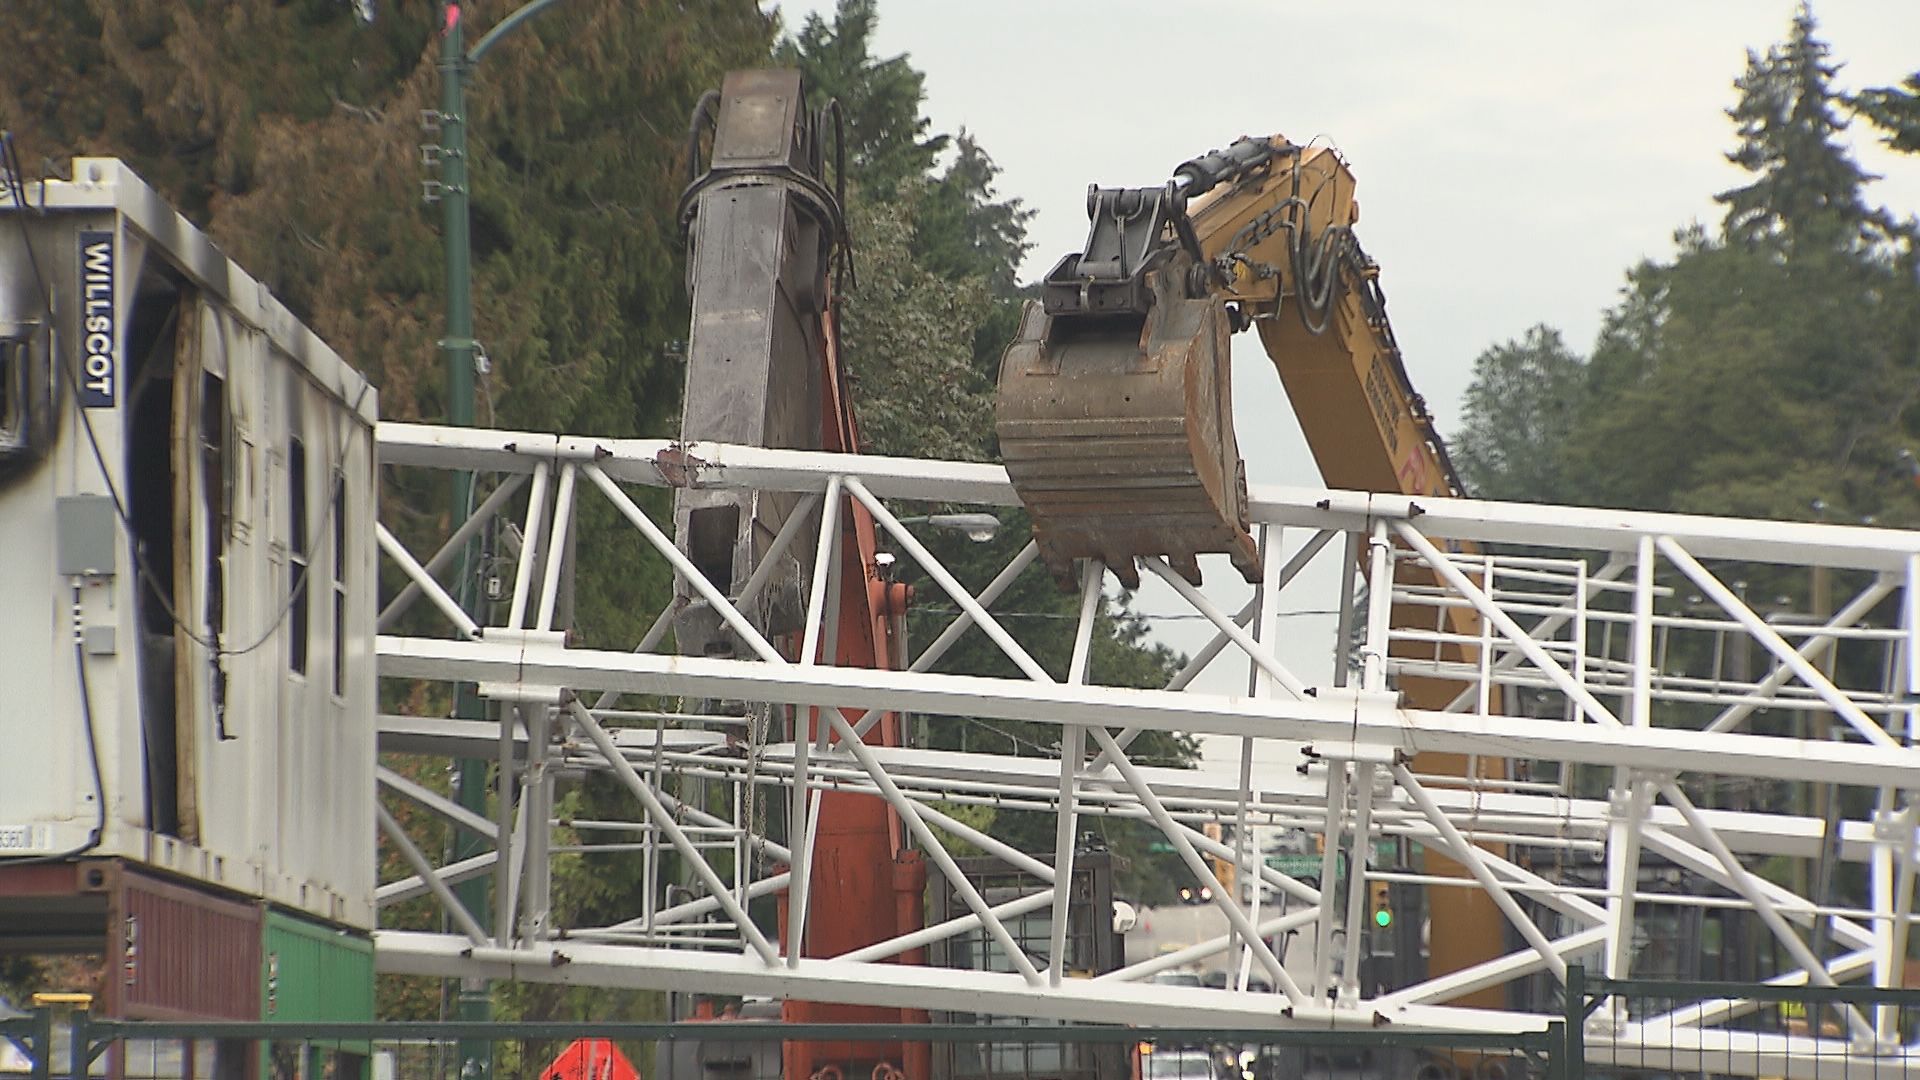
309, 971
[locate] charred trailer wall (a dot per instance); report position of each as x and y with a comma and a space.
187, 495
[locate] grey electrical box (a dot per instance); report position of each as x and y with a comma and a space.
99, 640
85, 535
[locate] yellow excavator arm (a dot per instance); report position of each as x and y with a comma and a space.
1115, 405
1115, 410
1281, 239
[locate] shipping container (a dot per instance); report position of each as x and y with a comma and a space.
179, 953
310, 971
314, 972
167, 949
187, 491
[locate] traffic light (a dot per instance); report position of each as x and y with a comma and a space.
1223, 869
1382, 893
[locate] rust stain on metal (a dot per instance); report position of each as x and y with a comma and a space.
678, 467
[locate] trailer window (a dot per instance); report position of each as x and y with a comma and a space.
339, 585
12, 371
298, 556
216, 484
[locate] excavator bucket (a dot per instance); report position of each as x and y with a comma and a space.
1117, 431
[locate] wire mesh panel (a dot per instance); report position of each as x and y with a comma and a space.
1657, 1029
750, 1050
1091, 948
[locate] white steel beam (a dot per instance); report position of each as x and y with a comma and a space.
1743, 882
530, 546
410, 852
886, 984
476, 824
1488, 973
1775, 644
961, 622
1473, 859
1816, 646
1512, 631
718, 465
453, 545
1333, 716
684, 567
407, 888
556, 547
1073, 742
418, 575
1184, 847
930, 844
657, 814
946, 580
1225, 624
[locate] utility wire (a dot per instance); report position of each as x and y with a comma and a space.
142, 567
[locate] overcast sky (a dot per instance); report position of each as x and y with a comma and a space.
1513, 158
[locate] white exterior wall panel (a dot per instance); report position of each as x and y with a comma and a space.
277, 795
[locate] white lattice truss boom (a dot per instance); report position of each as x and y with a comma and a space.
1591, 610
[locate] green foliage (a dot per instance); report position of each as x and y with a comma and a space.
886, 136
1525, 396
1729, 382
1763, 372
1895, 110
907, 337
962, 232
1806, 189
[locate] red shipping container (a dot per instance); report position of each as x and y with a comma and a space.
179, 953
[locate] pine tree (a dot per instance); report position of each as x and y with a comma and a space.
1895, 110
886, 136
1807, 190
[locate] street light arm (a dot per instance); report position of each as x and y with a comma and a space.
506, 26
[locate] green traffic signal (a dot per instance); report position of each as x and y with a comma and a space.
1383, 917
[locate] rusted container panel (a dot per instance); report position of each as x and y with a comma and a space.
179, 953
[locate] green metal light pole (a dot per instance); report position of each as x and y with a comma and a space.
458, 349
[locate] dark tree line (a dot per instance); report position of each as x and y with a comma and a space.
291, 133
1770, 368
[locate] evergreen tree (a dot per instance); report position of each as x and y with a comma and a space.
1525, 397
964, 231
1807, 187
908, 338
886, 136
1895, 110
1729, 382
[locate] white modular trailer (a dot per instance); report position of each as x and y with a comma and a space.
187, 504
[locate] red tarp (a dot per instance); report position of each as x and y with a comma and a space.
591, 1059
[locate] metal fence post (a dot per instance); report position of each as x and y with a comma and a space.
1574, 1067
1556, 1047
43, 1043
79, 1052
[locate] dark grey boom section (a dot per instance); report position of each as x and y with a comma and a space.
762, 228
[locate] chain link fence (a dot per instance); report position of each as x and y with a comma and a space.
1643, 1029
74, 1046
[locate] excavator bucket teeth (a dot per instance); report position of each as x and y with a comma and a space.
1117, 433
